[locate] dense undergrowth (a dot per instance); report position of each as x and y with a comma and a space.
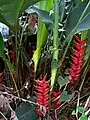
45, 60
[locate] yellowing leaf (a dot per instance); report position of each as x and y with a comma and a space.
36, 57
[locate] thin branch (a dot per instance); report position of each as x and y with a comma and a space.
77, 105
13, 96
84, 76
3, 115
87, 102
87, 112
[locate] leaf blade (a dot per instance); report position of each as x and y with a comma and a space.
1, 46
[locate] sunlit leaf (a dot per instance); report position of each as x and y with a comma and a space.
73, 112
83, 117
80, 109
36, 57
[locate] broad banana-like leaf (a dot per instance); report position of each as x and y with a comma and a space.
11, 9
77, 2
46, 18
78, 19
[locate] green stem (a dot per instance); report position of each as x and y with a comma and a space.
55, 41
15, 81
9, 65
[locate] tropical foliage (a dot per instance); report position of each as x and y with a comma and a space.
44, 63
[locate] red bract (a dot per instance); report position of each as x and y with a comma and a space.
9, 76
56, 99
42, 89
77, 59
13, 56
1, 79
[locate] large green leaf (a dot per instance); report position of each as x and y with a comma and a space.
78, 19
62, 10
1, 46
77, 2
11, 9
26, 111
85, 24
42, 13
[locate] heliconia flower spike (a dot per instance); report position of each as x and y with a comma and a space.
42, 90
77, 59
56, 100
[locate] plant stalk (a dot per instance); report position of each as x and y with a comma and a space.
55, 41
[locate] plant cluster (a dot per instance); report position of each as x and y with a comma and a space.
45, 60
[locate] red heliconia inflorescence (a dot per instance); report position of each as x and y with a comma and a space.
56, 99
42, 90
77, 59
